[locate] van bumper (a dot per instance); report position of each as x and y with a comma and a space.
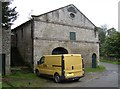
74, 78
71, 78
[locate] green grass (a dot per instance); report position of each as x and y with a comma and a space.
0, 81
5, 85
21, 75
20, 79
100, 68
0, 85
110, 61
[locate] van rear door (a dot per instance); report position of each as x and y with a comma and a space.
73, 65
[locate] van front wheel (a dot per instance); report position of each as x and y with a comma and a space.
57, 78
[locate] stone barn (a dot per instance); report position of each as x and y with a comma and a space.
61, 31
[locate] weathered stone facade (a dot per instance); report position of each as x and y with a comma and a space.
22, 39
5, 48
51, 30
0, 51
119, 16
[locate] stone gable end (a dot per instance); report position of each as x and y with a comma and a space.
68, 15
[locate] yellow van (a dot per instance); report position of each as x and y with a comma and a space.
61, 67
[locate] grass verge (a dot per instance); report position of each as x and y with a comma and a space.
99, 68
0, 85
0, 81
20, 79
110, 61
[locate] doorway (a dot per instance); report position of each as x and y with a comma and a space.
2, 64
94, 60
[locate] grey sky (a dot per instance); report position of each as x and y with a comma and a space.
100, 12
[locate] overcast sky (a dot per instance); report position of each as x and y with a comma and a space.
100, 12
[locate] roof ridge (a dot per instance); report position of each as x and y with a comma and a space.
52, 10
61, 8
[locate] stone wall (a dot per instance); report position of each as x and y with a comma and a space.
48, 30
119, 16
0, 50
6, 45
23, 37
45, 47
48, 36
52, 30
63, 16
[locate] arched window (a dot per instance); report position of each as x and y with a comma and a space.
59, 50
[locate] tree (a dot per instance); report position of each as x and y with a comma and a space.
111, 31
102, 35
108, 41
8, 14
111, 46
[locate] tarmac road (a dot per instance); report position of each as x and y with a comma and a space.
108, 78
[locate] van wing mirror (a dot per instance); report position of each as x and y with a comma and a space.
37, 62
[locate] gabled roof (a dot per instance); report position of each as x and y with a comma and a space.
53, 11
22, 24
62, 8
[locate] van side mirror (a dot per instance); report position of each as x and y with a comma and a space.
37, 62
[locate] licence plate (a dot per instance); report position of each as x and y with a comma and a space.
70, 75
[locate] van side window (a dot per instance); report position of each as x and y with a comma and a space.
42, 60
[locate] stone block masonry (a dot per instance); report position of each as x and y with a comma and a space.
6, 48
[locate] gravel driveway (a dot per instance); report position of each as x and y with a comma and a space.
108, 78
